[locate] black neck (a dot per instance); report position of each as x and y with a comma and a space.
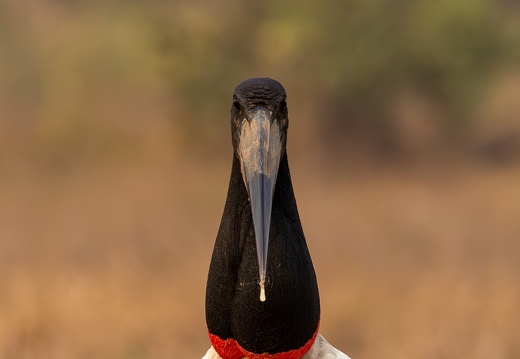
290, 315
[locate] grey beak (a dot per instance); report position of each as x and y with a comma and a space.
260, 151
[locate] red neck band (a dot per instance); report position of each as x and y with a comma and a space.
230, 349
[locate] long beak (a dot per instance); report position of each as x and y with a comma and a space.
260, 150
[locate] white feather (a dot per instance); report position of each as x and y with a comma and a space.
321, 349
211, 354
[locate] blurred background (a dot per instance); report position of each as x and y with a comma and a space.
115, 154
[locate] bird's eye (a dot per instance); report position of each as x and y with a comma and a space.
236, 104
283, 105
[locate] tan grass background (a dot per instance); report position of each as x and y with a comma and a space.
115, 155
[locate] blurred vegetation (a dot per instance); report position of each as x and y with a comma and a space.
106, 228
357, 72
